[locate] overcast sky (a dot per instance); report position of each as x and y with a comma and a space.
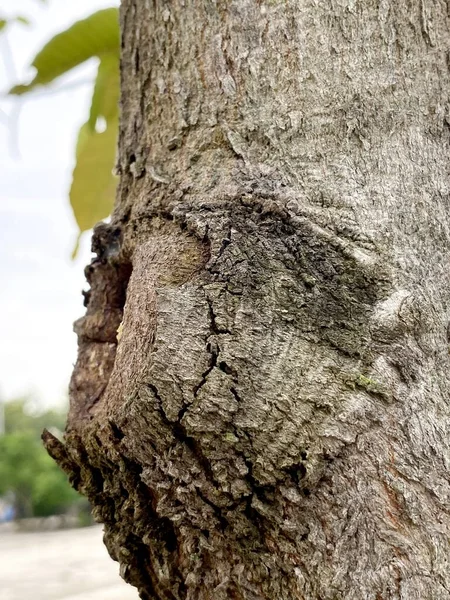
40, 289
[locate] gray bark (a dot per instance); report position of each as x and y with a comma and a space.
272, 421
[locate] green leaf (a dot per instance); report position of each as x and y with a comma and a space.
93, 187
105, 99
97, 35
83, 136
3, 24
23, 20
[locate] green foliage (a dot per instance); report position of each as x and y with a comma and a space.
51, 493
39, 487
4, 23
94, 36
93, 188
105, 99
19, 417
93, 184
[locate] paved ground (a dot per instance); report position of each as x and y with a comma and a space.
59, 565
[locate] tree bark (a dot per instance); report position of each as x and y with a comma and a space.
272, 420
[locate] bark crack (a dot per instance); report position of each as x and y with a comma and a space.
181, 435
212, 364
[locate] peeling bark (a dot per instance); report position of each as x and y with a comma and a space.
272, 422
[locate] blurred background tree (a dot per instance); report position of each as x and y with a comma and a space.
27, 473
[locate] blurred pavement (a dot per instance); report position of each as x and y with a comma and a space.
71, 564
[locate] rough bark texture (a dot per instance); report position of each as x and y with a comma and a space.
272, 421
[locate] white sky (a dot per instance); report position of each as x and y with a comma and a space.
40, 287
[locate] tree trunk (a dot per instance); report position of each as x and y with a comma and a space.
271, 421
